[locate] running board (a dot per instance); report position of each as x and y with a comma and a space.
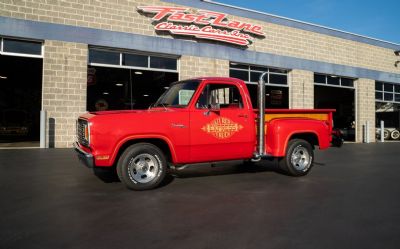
212, 164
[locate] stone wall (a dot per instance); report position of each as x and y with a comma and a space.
191, 66
365, 91
64, 89
301, 91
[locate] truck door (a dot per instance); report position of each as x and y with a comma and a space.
221, 127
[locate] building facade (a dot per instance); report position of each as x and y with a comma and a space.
120, 54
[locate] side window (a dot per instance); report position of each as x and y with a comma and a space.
224, 95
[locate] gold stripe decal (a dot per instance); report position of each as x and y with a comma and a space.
222, 128
317, 116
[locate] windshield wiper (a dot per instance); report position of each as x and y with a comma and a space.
162, 104
159, 105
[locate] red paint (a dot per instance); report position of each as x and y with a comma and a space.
203, 25
191, 136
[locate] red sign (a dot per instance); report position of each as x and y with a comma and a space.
203, 24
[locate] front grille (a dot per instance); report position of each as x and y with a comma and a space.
81, 124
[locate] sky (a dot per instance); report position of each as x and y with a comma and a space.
372, 18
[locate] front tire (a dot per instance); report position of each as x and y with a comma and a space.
142, 166
299, 158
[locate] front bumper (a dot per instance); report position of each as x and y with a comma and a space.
84, 157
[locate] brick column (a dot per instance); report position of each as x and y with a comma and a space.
365, 107
192, 66
301, 92
64, 89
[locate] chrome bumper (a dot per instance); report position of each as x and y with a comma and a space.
84, 157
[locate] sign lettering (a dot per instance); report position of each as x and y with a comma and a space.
203, 24
222, 128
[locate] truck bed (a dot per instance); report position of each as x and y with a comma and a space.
317, 114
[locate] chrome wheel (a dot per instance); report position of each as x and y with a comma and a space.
300, 158
143, 168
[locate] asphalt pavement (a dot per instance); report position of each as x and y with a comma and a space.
350, 199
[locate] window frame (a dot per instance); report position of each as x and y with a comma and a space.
206, 88
121, 65
2, 52
268, 70
384, 92
335, 77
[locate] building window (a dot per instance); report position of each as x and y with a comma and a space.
332, 80
163, 63
387, 92
276, 80
22, 48
135, 60
251, 74
104, 57
121, 80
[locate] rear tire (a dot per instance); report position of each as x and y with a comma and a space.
142, 166
299, 158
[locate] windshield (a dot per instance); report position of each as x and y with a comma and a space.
178, 95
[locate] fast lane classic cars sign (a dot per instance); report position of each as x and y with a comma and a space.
202, 24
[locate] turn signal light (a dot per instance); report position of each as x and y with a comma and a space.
103, 157
86, 132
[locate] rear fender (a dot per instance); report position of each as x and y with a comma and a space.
280, 131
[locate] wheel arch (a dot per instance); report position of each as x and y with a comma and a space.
310, 137
162, 143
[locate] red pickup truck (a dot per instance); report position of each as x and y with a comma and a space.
207, 119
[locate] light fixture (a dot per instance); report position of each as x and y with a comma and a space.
106, 93
3, 77
333, 76
138, 73
145, 95
166, 87
119, 84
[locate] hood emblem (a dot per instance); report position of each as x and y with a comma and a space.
222, 128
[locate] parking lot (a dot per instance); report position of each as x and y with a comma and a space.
349, 200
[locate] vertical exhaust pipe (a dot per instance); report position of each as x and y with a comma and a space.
261, 117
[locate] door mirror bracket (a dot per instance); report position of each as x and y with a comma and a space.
212, 108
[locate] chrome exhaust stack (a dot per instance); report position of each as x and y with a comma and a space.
261, 120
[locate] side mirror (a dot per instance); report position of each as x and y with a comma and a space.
215, 108
212, 108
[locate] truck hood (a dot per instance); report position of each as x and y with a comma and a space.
116, 112
124, 113
132, 111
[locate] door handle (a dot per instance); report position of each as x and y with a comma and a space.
243, 116
178, 125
